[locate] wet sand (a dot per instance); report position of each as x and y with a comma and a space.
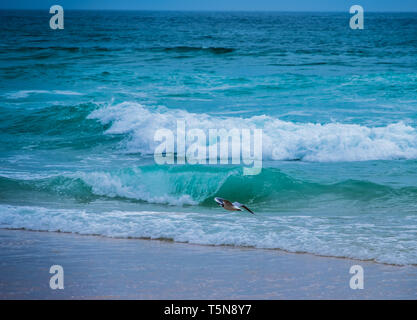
106, 268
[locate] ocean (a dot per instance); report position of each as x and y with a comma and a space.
79, 109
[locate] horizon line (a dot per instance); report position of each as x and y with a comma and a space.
208, 10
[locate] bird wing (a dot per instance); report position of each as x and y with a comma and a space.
239, 205
245, 207
219, 200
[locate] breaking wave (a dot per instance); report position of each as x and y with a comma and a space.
197, 185
282, 140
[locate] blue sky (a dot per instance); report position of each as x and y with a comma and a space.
244, 5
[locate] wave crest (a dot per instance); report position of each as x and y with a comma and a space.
282, 140
198, 185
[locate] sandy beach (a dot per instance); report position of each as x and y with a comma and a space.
106, 268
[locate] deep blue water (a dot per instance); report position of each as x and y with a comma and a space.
79, 108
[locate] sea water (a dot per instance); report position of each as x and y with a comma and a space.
79, 109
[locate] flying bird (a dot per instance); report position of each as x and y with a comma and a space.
235, 206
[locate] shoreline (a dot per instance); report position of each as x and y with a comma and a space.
170, 240
98, 267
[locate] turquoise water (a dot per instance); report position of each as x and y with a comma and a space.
79, 108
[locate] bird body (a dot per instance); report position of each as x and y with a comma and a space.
228, 205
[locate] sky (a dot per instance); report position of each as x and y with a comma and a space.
217, 5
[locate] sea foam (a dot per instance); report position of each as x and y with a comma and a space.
383, 239
25, 93
282, 140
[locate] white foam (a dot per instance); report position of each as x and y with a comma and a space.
390, 239
136, 185
282, 140
25, 93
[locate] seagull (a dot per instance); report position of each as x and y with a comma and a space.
235, 206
